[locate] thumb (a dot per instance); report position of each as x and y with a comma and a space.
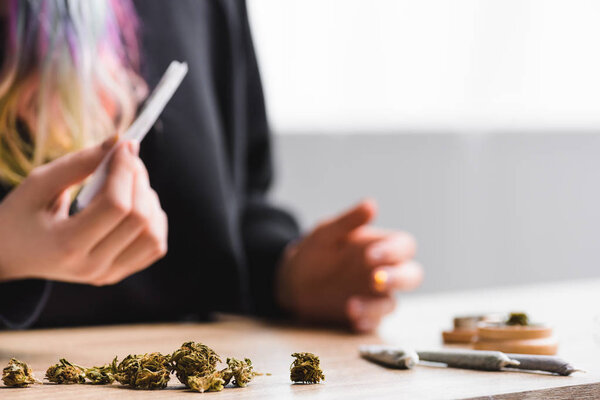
50, 180
359, 215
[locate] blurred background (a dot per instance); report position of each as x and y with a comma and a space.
474, 123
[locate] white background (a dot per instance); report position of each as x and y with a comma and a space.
423, 65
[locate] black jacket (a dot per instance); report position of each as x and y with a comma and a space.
209, 160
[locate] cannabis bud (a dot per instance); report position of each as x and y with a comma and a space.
17, 374
212, 382
517, 319
65, 373
240, 371
104, 375
194, 359
148, 371
227, 375
306, 368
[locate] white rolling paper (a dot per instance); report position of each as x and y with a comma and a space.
155, 104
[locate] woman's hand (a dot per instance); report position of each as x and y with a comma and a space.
122, 231
346, 271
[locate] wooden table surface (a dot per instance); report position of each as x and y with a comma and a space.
572, 307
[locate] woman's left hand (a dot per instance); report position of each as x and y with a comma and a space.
346, 271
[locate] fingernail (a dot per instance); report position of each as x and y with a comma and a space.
377, 252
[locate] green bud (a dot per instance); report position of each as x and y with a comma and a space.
241, 371
104, 375
17, 374
148, 371
194, 359
306, 368
517, 319
227, 375
207, 383
65, 373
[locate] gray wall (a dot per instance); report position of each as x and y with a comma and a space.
488, 210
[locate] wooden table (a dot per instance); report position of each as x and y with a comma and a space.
573, 307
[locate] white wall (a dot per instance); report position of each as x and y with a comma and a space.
487, 210
452, 65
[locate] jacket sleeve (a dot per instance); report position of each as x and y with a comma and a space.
266, 229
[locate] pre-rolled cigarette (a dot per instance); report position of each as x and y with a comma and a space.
389, 356
469, 359
552, 364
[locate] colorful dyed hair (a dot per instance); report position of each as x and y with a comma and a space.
69, 78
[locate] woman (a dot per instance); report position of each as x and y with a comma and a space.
73, 76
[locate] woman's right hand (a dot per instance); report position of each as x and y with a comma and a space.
122, 231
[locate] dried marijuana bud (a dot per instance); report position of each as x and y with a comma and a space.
65, 373
517, 319
241, 371
306, 368
104, 375
148, 371
227, 375
17, 374
194, 359
212, 382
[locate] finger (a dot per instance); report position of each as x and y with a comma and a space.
53, 178
365, 313
148, 246
133, 225
392, 249
353, 218
110, 206
121, 272
368, 234
407, 276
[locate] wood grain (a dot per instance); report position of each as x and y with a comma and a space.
418, 323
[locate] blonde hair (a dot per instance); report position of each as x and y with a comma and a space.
69, 79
